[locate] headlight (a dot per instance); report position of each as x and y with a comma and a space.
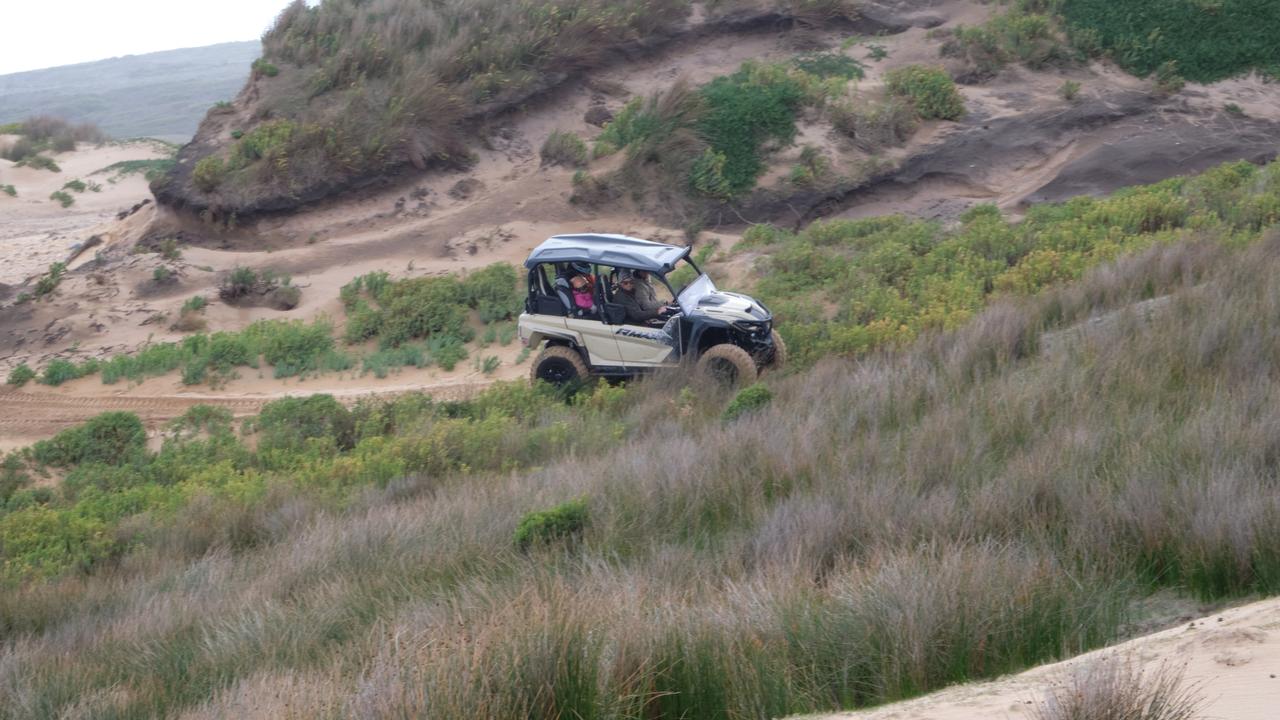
752, 328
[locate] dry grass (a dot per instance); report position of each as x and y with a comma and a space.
963, 508
1115, 688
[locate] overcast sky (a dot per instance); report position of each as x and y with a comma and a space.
46, 33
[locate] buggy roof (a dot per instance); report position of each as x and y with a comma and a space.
613, 250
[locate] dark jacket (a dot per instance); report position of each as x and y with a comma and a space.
636, 312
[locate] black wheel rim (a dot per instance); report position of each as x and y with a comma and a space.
557, 371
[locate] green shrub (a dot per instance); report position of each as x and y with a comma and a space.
9, 190
13, 477
21, 375
295, 348
1069, 90
228, 350
707, 175
421, 307
447, 351
363, 322
262, 68
745, 109
50, 280
269, 141
748, 400
930, 89
286, 425
163, 275
493, 291
77, 185
209, 173
831, 64
564, 148
43, 542
562, 522
238, 283
60, 371
62, 198
112, 438
196, 303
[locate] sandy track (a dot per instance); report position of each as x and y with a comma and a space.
26, 415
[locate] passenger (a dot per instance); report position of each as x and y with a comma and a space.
583, 297
628, 296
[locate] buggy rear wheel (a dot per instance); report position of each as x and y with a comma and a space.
560, 366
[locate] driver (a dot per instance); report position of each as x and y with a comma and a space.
645, 293
630, 298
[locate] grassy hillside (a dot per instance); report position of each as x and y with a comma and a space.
959, 507
161, 95
350, 90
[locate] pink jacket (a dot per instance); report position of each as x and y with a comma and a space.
582, 298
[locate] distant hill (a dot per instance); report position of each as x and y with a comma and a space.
162, 95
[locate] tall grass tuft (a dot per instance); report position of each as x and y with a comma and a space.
1115, 688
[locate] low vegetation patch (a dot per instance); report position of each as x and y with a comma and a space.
152, 170
562, 522
21, 375
851, 286
875, 125
564, 148
1208, 40
748, 400
929, 89
47, 283
1016, 36
39, 162
9, 190
399, 311
191, 315
112, 438
250, 287
292, 348
711, 142
62, 198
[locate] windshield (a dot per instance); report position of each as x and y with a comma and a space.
694, 292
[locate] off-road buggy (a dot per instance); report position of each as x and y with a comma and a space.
723, 335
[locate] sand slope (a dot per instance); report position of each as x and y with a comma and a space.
1232, 656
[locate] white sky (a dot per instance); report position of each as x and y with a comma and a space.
45, 33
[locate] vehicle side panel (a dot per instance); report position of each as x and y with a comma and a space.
597, 338
643, 346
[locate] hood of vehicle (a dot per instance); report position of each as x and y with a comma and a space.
731, 307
